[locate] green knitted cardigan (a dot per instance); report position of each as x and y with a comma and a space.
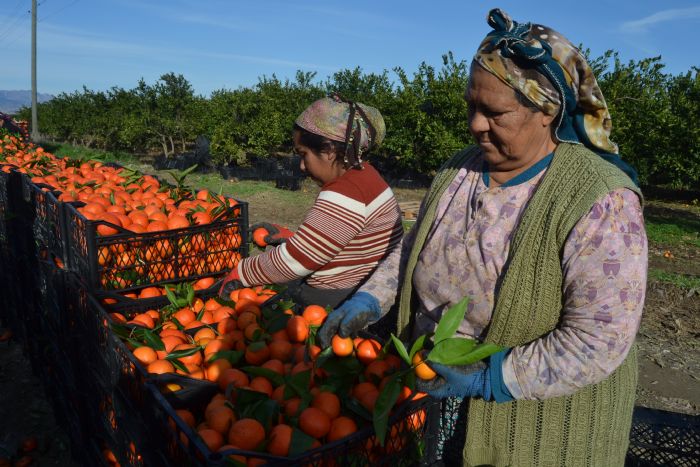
590, 427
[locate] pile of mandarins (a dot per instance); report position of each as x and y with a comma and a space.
127, 202
266, 355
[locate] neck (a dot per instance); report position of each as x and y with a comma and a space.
499, 176
338, 171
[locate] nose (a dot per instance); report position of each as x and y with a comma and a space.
302, 167
478, 123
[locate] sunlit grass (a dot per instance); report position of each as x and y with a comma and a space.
682, 281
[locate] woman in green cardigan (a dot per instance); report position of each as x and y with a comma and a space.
541, 226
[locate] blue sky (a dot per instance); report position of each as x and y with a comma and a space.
219, 44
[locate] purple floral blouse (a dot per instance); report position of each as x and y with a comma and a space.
604, 264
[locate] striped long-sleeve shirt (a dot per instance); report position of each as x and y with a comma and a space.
353, 224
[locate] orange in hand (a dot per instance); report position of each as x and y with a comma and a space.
259, 236
423, 371
342, 346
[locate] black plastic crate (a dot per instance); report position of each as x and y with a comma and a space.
110, 345
289, 182
113, 421
8, 277
46, 318
19, 272
118, 300
5, 186
12, 204
663, 438
173, 442
66, 399
48, 225
126, 261
106, 361
169, 441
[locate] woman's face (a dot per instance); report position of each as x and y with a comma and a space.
511, 135
320, 166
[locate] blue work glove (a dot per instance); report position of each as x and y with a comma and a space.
482, 379
231, 282
361, 310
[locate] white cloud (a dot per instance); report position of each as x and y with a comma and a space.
184, 12
68, 42
643, 24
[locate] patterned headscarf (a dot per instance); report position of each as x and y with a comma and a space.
360, 126
550, 72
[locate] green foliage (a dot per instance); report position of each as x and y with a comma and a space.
656, 116
656, 119
83, 153
682, 281
670, 232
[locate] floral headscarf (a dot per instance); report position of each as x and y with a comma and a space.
550, 72
360, 126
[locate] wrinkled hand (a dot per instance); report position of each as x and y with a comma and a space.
361, 310
231, 282
482, 379
276, 233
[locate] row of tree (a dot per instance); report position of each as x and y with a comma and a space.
656, 115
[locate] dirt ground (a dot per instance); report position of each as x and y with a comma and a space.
25, 412
668, 341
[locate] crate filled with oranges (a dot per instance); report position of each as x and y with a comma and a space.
242, 380
10, 177
48, 226
121, 246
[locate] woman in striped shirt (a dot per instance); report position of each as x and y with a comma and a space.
355, 220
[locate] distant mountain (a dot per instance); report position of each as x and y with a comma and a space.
12, 101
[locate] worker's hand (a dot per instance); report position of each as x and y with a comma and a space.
361, 310
482, 379
276, 234
231, 282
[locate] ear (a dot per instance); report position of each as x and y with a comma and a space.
547, 120
330, 156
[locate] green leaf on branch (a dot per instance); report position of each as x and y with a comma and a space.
298, 384
416, 347
301, 442
176, 354
153, 340
324, 356
385, 402
461, 351
401, 349
233, 356
450, 320
171, 296
275, 378
482, 351
179, 365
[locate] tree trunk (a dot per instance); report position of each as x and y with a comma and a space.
165, 146
172, 144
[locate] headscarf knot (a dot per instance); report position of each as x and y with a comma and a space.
512, 39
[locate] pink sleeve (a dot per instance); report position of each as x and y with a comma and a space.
605, 268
